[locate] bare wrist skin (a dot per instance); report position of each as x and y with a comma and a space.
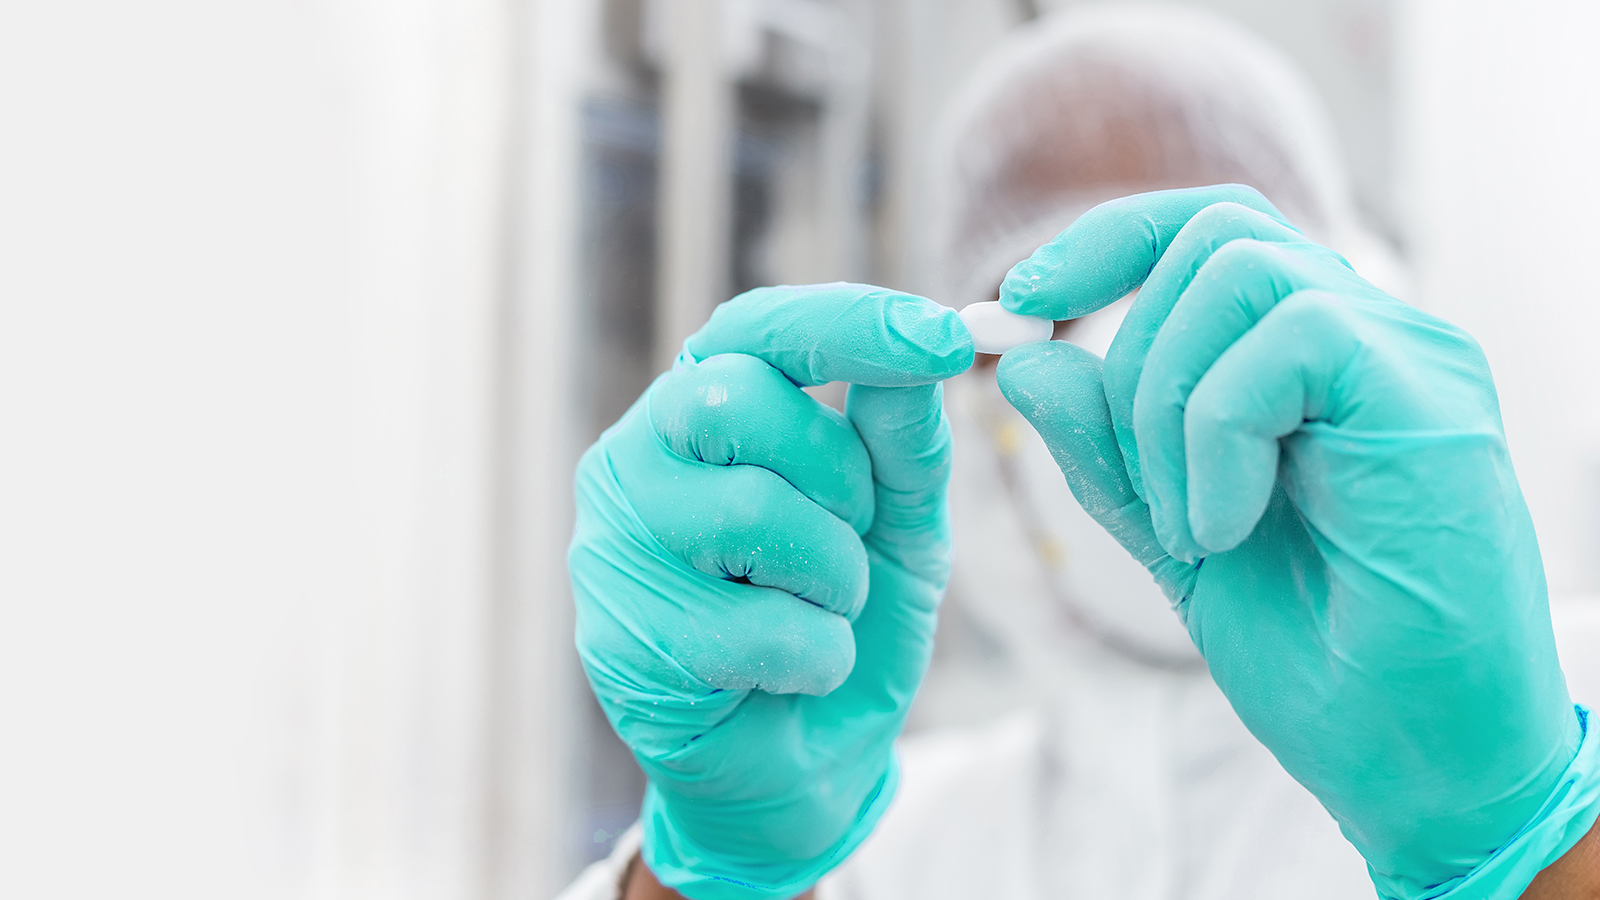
1575, 876
639, 883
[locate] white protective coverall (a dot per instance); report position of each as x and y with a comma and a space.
1068, 742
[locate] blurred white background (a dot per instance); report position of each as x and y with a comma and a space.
307, 307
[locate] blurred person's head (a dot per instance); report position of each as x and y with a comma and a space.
1082, 107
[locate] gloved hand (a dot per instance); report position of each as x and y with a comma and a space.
757, 576
1317, 475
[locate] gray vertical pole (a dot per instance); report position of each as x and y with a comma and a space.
535, 680
696, 190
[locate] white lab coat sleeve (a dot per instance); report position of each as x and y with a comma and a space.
965, 822
602, 880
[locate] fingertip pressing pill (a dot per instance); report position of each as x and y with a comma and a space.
996, 329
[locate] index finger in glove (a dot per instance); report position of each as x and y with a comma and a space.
735, 410
856, 333
1111, 249
1057, 388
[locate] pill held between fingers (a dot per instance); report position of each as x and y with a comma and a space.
996, 329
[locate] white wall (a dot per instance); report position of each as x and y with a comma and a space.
1499, 118
250, 277
536, 738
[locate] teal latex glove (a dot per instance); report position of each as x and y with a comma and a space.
1317, 475
757, 578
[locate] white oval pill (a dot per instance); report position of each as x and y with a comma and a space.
996, 330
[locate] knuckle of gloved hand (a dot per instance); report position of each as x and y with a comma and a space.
797, 651
830, 443
755, 499
1320, 317
1240, 255
698, 410
1208, 414
841, 586
1331, 262
764, 513
1220, 216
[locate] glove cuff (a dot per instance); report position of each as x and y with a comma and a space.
1564, 819
680, 863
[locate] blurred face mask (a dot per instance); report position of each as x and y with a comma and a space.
1069, 111
1104, 591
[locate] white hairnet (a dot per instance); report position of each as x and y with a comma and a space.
1084, 106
